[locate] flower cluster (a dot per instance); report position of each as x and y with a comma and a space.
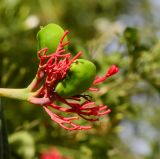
53, 68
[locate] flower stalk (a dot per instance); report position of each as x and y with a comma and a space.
20, 94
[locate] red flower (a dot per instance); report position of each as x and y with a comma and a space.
53, 153
52, 69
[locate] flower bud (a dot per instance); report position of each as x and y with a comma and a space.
49, 37
79, 78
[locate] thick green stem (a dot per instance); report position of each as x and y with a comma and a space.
21, 94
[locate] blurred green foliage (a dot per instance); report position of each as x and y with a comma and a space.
98, 28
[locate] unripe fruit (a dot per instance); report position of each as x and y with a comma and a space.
49, 36
79, 78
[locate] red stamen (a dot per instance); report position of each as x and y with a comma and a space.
94, 89
112, 70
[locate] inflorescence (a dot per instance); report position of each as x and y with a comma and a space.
52, 69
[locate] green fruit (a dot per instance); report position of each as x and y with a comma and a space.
79, 78
49, 36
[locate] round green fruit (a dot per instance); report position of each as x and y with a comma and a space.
49, 36
79, 78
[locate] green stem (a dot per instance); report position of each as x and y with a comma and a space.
33, 84
21, 94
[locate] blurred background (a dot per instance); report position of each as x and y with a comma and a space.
125, 33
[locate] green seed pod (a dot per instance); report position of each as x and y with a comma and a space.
79, 78
49, 36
